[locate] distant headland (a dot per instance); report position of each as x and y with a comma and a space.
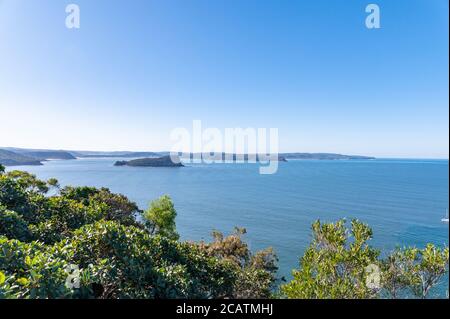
220, 156
325, 156
20, 156
16, 157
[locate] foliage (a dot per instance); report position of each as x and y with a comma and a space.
115, 261
54, 183
257, 272
339, 263
334, 266
160, 218
28, 181
52, 218
44, 236
414, 270
12, 225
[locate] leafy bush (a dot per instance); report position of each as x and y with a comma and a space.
160, 218
413, 270
44, 238
13, 226
52, 218
256, 272
115, 262
339, 264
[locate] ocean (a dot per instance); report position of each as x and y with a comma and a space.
402, 200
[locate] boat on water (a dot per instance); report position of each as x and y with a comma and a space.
445, 219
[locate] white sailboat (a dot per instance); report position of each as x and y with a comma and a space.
445, 220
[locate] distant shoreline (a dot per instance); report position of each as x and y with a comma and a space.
10, 156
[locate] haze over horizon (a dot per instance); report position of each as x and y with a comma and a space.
163, 151
135, 71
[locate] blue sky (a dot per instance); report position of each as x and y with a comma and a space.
135, 70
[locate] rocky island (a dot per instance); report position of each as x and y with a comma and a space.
165, 161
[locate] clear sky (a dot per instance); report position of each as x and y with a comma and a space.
135, 70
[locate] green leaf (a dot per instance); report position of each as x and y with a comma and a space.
22, 281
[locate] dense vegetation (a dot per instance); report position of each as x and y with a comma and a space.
46, 230
84, 242
340, 263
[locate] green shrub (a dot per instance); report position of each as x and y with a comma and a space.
13, 226
160, 218
339, 264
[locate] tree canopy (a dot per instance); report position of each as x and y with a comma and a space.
86, 242
45, 237
341, 264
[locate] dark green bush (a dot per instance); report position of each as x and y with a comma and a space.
13, 226
44, 238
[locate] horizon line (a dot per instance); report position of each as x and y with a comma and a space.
446, 157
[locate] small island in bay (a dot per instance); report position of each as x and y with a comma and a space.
164, 161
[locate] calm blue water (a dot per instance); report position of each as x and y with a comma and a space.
403, 200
